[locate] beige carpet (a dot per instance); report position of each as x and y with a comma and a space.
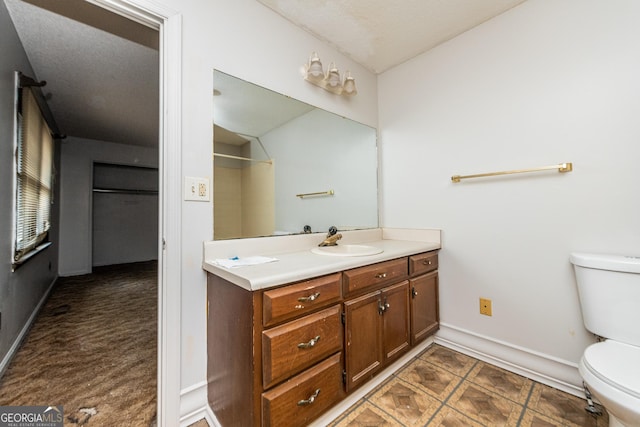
92, 349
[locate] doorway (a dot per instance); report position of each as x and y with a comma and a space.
168, 24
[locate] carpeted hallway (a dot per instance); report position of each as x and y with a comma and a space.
92, 349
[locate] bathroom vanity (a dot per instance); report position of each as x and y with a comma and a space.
287, 340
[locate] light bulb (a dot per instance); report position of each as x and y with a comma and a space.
333, 76
349, 85
314, 69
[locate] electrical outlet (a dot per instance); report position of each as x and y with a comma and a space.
196, 189
485, 306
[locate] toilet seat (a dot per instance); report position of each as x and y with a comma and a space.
616, 364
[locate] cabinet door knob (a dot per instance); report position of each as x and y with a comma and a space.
311, 297
381, 275
310, 400
382, 307
311, 343
414, 293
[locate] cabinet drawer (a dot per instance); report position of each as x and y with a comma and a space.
288, 349
361, 278
300, 298
305, 396
423, 263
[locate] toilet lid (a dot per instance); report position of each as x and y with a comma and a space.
615, 363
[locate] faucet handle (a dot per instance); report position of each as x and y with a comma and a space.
332, 230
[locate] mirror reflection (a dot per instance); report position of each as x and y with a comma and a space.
284, 167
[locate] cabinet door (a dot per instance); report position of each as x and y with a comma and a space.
424, 306
363, 338
395, 331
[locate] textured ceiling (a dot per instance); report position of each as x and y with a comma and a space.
99, 85
380, 34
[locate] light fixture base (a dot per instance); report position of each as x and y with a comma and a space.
331, 80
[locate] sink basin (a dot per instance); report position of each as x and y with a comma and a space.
347, 250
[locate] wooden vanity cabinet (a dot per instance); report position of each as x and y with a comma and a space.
283, 356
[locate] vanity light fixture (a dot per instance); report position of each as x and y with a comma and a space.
314, 72
331, 80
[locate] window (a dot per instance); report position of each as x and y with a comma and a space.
34, 163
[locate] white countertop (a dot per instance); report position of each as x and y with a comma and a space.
296, 261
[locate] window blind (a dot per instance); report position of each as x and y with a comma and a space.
34, 160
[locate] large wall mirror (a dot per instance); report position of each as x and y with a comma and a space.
285, 167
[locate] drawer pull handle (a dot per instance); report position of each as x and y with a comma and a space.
427, 262
310, 400
381, 275
312, 297
311, 343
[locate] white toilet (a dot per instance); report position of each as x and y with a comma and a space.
609, 289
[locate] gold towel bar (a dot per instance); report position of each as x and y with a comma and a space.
319, 193
562, 167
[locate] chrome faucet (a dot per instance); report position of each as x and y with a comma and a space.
332, 237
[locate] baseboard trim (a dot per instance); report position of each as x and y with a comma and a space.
74, 273
194, 406
549, 370
25, 329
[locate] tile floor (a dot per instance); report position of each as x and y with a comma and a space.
442, 387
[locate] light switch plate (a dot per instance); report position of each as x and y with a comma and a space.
196, 189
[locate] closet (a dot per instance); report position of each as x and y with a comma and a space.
124, 214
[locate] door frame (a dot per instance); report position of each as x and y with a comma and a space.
169, 24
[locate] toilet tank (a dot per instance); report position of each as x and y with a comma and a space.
609, 290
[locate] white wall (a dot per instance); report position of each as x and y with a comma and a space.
249, 41
544, 83
76, 196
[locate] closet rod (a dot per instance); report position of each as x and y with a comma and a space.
123, 191
229, 156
